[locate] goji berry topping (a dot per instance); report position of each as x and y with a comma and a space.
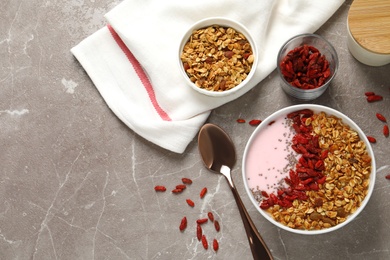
305, 67
313, 171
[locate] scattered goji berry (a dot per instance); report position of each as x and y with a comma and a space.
177, 191
211, 216
204, 242
190, 202
216, 225
381, 117
203, 192
255, 122
374, 98
186, 181
199, 232
181, 186
240, 120
215, 245
386, 130
271, 123
160, 188
387, 176
183, 224
369, 93
371, 139
202, 220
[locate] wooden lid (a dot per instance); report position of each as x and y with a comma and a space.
369, 24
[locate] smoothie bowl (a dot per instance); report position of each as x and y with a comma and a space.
309, 169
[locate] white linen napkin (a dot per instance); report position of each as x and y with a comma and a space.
133, 61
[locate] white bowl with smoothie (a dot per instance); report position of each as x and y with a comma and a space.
309, 169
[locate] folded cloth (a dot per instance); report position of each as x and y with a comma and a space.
133, 61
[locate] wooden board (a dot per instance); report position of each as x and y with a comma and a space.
369, 24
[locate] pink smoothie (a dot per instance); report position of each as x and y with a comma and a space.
270, 157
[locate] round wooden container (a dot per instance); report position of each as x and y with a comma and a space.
369, 31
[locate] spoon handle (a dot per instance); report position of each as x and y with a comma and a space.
258, 247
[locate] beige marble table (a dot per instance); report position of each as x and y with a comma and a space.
76, 183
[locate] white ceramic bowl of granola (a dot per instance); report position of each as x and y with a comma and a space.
276, 131
204, 69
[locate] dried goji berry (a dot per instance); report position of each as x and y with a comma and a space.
324, 154
202, 220
177, 190
387, 176
183, 224
186, 181
190, 202
265, 205
240, 120
264, 194
255, 122
271, 123
321, 180
371, 139
374, 98
369, 93
386, 130
216, 225
305, 67
181, 186
204, 242
211, 216
215, 245
381, 117
203, 192
199, 232
160, 188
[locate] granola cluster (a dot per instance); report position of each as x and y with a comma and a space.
347, 171
217, 58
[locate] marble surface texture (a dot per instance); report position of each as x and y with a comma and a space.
76, 183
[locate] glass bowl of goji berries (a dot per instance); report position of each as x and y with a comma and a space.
217, 56
309, 169
307, 63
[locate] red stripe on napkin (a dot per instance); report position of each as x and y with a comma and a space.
141, 74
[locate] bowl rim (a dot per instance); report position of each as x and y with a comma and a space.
326, 84
315, 108
226, 22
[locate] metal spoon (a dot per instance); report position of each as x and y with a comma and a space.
218, 154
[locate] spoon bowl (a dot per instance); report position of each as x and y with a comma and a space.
218, 154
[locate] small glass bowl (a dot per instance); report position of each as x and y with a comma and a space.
325, 48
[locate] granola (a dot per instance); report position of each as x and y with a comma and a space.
217, 58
